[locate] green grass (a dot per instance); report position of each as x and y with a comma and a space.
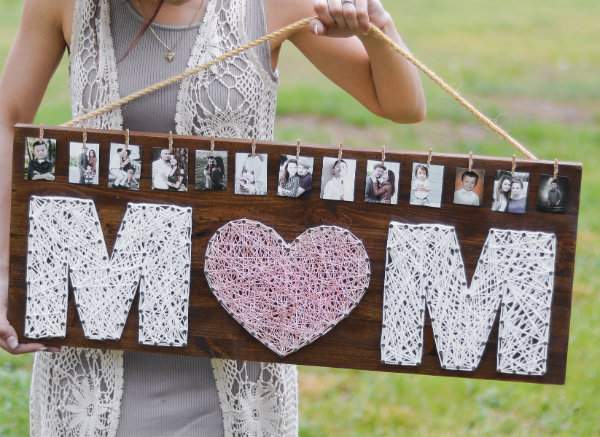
528, 64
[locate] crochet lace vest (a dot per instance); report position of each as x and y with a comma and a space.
78, 391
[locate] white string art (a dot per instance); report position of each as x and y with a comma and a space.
424, 267
286, 295
152, 251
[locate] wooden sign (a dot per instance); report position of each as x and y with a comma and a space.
387, 220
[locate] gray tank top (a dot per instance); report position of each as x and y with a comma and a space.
166, 395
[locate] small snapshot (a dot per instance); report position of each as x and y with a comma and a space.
381, 185
125, 167
40, 159
510, 192
553, 195
468, 186
170, 169
295, 175
83, 163
426, 186
211, 170
251, 174
337, 181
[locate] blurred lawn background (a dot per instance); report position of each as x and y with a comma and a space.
534, 66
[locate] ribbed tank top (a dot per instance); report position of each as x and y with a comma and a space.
146, 64
167, 395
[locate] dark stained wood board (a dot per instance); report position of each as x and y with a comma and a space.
355, 341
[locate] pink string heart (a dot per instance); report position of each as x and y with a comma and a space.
286, 295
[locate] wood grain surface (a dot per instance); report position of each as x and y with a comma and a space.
354, 342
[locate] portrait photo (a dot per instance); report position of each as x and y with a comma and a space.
510, 192
211, 170
251, 174
124, 167
170, 169
468, 186
295, 175
426, 186
381, 184
553, 194
83, 163
337, 180
40, 159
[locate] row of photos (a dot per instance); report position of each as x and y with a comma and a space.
170, 172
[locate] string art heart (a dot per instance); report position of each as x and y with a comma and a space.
286, 295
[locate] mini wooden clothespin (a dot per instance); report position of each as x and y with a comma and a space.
41, 138
253, 146
126, 139
429, 157
555, 175
298, 149
340, 151
383, 155
84, 137
471, 160
514, 164
171, 142
212, 144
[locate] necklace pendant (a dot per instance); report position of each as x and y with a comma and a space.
170, 55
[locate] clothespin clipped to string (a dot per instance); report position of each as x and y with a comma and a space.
253, 147
84, 137
340, 152
298, 150
212, 144
383, 155
514, 164
429, 158
555, 174
41, 137
127, 139
171, 142
471, 160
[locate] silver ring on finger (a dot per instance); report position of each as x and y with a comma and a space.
350, 2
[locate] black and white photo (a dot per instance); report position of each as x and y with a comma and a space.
211, 170
40, 159
553, 194
337, 180
510, 192
295, 175
426, 185
251, 174
124, 167
83, 163
381, 185
170, 169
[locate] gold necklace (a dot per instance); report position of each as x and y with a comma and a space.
170, 51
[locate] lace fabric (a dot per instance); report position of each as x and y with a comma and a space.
78, 391
249, 110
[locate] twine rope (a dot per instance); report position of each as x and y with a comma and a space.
292, 28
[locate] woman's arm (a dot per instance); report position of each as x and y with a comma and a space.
34, 56
364, 66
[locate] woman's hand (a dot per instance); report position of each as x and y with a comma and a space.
343, 18
9, 341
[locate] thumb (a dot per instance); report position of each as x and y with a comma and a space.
8, 333
317, 27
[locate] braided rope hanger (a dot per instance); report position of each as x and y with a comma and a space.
291, 28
